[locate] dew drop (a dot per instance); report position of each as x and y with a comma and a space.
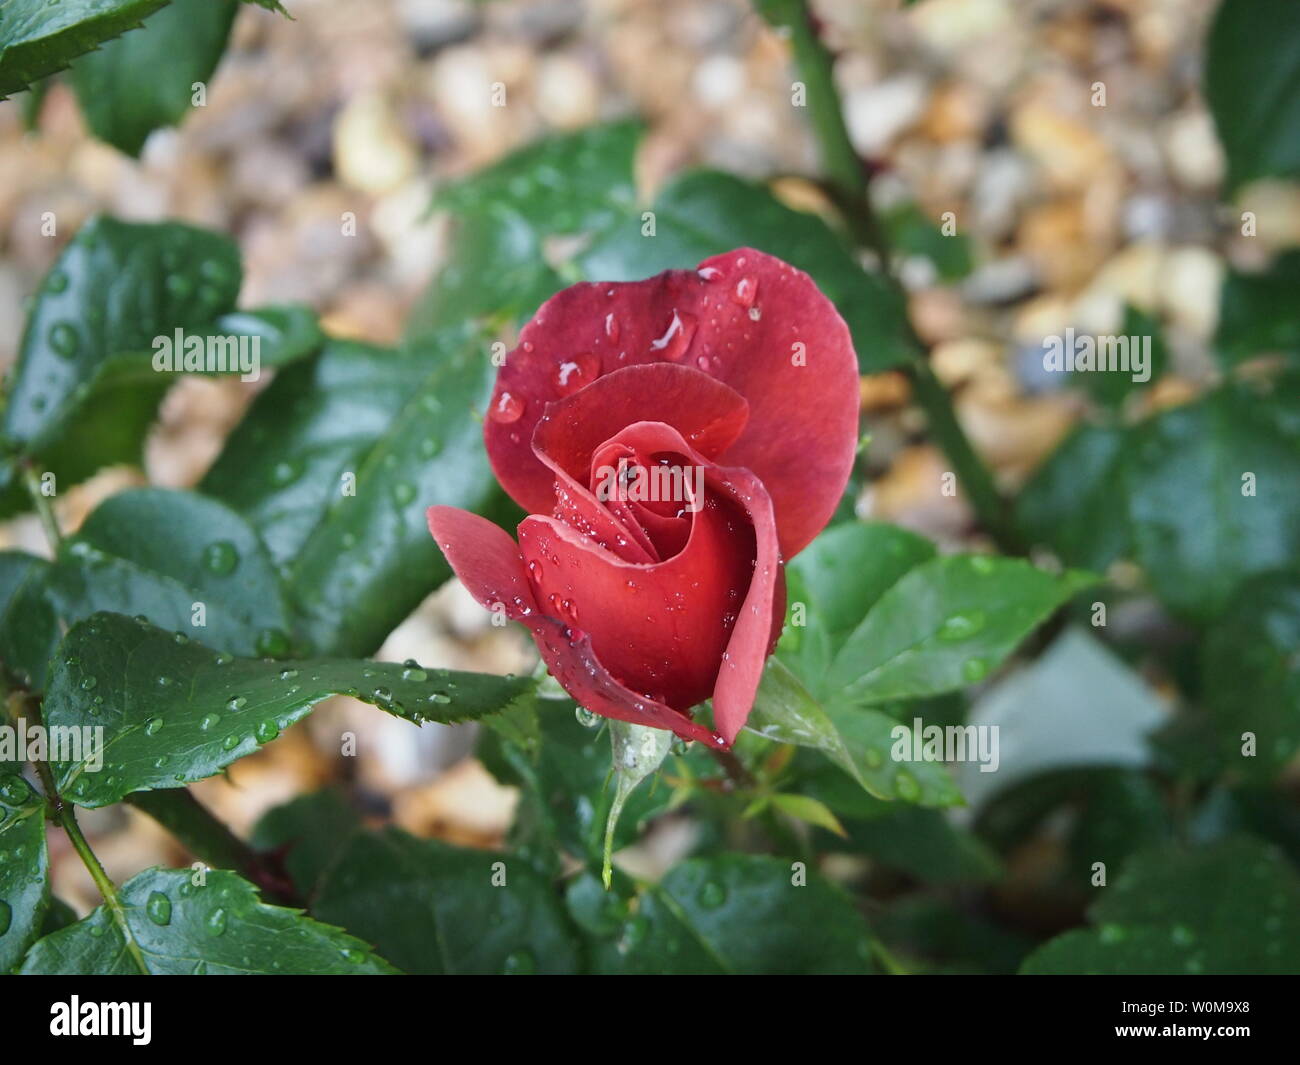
159, 908
216, 922
906, 786
220, 558
283, 473
507, 409
745, 292
272, 643
577, 373
153, 726
15, 791
266, 731
236, 703
962, 626
712, 895
676, 340
63, 339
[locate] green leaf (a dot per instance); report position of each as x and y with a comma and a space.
285, 333
1251, 670
436, 909
947, 623
848, 568
1258, 313
167, 556
29, 630
311, 831
835, 581
337, 461
1197, 533
704, 213
24, 867
1252, 84
1075, 502
731, 914
84, 392
217, 928
37, 37
810, 811
569, 184
132, 86
173, 711
858, 740
1177, 911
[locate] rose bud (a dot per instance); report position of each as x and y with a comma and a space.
674, 440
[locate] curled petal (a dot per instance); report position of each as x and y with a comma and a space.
489, 564
701, 622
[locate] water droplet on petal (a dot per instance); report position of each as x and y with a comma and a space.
507, 409
577, 372
676, 339
746, 291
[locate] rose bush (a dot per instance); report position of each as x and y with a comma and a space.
738, 382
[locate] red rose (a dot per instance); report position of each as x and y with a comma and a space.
674, 440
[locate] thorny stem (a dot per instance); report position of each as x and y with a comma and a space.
63, 813
44, 510
849, 183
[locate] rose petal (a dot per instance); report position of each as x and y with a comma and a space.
745, 318
489, 564
706, 412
